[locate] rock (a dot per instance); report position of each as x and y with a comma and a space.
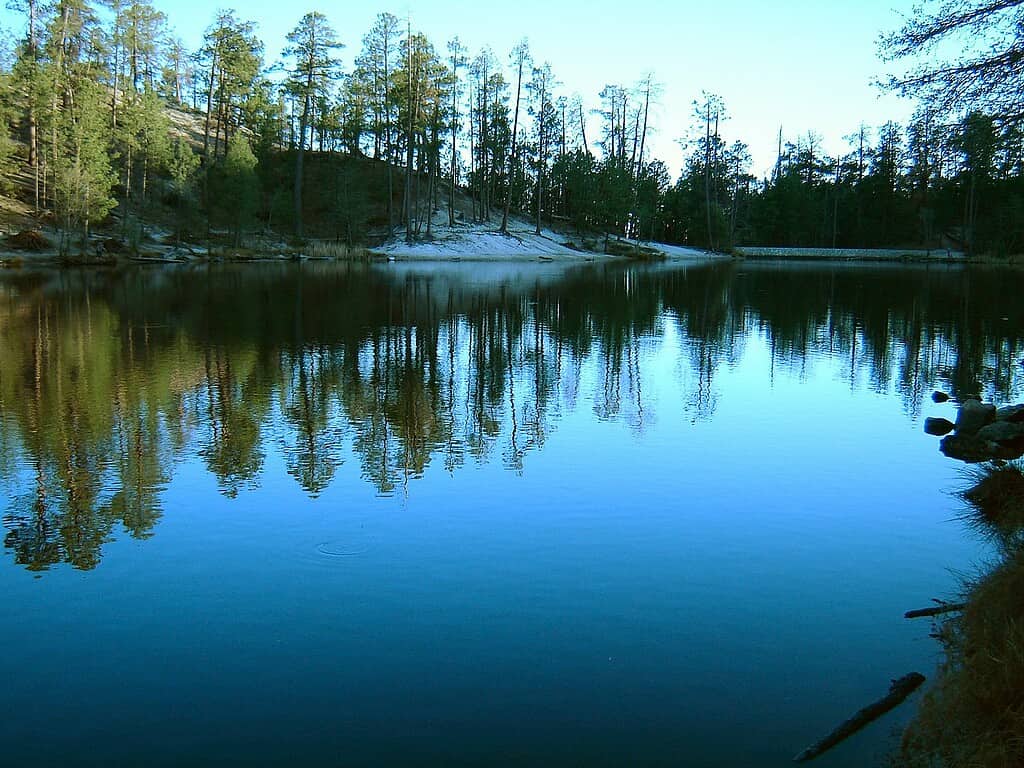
1001, 432
1014, 413
975, 450
938, 427
973, 416
968, 448
940, 397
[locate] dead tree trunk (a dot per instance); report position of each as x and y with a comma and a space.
898, 693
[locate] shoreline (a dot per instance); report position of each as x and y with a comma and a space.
944, 256
484, 244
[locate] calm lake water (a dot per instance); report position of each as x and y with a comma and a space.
469, 514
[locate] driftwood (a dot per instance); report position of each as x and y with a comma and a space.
937, 610
898, 692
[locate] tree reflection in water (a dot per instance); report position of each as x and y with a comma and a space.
108, 379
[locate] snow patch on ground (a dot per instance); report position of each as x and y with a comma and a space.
485, 242
682, 252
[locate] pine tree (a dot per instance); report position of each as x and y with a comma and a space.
8, 159
520, 60
457, 60
182, 166
231, 57
312, 45
234, 186
83, 177
542, 109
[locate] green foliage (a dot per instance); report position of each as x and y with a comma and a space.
234, 187
311, 45
231, 57
182, 166
947, 179
83, 177
144, 138
8, 147
8, 160
349, 206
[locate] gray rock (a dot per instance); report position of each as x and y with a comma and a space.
973, 416
940, 397
1002, 432
938, 427
1014, 413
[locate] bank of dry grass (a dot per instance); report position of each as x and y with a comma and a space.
995, 502
973, 717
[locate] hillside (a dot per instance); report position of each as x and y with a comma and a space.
345, 212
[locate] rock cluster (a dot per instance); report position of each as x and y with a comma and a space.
981, 433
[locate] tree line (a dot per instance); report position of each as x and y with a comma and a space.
411, 131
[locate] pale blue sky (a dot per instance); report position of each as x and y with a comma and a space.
804, 64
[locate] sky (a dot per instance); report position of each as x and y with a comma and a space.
802, 65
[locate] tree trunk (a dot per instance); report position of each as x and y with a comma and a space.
512, 156
455, 129
472, 152
583, 129
707, 176
485, 203
300, 156
409, 145
434, 161
209, 105
389, 152
643, 134
33, 123
541, 135
116, 74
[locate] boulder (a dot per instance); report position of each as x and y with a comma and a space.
974, 450
1001, 432
1013, 413
974, 415
940, 397
938, 427
969, 448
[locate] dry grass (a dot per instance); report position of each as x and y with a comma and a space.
29, 240
973, 717
995, 503
331, 249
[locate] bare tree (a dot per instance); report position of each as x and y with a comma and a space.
986, 75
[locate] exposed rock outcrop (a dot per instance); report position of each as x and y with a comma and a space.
982, 432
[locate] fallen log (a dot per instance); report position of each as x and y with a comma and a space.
898, 692
937, 610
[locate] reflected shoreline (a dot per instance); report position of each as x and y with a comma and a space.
109, 379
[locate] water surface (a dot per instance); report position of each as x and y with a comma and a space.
478, 514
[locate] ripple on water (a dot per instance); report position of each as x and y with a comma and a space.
340, 540
342, 549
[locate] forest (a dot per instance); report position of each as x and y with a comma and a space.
110, 120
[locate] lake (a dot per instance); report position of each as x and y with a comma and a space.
467, 514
